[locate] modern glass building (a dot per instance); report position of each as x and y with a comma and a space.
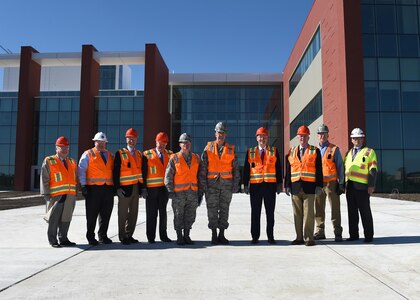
355, 64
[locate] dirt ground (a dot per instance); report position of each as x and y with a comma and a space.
36, 199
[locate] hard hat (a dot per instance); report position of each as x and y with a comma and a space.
184, 138
220, 127
261, 131
303, 130
162, 137
100, 136
323, 129
357, 133
62, 141
131, 133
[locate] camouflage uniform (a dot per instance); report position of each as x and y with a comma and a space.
184, 203
218, 191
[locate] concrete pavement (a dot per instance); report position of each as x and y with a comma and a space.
388, 268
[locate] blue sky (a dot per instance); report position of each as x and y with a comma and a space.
192, 35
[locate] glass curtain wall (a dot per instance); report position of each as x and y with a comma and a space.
392, 89
116, 111
8, 116
197, 109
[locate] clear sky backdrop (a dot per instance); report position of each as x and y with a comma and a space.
193, 36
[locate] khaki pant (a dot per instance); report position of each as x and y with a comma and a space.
329, 190
303, 213
128, 208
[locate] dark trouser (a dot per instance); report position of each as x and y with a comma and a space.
258, 193
100, 201
156, 201
359, 201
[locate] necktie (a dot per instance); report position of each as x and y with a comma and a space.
354, 153
65, 164
302, 151
262, 155
103, 156
161, 157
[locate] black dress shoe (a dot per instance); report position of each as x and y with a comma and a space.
105, 240
93, 242
368, 240
151, 241
166, 239
350, 239
133, 240
55, 245
319, 236
126, 241
67, 243
271, 241
254, 241
297, 242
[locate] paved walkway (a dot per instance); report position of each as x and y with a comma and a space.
388, 268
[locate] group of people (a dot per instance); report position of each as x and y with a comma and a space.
311, 175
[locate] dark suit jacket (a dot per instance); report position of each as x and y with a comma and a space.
307, 187
128, 189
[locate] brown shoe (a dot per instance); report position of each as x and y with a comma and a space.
297, 242
319, 236
310, 243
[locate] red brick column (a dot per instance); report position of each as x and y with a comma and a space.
29, 88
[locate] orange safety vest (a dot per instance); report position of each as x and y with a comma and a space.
130, 171
329, 169
262, 172
304, 169
99, 173
155, 169
220, 166
185, 177
62, 180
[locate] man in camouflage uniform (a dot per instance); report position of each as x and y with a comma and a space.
219, 176
181, 180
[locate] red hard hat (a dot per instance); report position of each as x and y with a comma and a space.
303, 130
62, 141
261, 131
162, 137
131, 133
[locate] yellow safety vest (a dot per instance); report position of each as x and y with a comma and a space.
358, 170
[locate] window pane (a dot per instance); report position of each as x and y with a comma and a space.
371, 96
369, 47
114, 103
392, 171
373, 130
410, 96
370, 69
65, 104
391, 134
385, 19
407, 19
409, 45
410, 69
412, 170
389, 95
387, 45
388, 69
411, 130
368, 19
6, 105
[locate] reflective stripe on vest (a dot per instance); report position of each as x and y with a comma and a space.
62, 180
185, 177
262, 171
304, 169
155, 169
99, 173
130, 171
220, 166
329, 169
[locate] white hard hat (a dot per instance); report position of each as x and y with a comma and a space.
357, 133
184, 138
100, 136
